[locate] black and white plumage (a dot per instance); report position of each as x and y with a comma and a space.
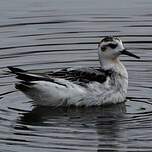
80, 86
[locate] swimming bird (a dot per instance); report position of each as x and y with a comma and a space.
91, 86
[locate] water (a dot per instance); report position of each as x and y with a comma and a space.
42, 35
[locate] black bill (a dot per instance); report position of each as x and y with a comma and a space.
129, 54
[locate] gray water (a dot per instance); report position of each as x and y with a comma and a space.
41, 35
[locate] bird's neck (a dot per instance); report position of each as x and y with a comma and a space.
119, 69
114, 65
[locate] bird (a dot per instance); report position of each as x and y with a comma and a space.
80, 86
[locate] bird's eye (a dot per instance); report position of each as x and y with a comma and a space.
103, 48
113, 46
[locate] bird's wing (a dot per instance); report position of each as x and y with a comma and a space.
79, 76
27, 77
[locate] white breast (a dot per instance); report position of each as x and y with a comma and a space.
113, 90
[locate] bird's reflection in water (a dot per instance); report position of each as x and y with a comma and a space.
111, 130
105, 123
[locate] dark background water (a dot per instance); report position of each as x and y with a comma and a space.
41, 35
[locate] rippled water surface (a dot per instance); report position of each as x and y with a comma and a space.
41, 35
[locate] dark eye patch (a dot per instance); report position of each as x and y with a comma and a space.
113, 46
103, 48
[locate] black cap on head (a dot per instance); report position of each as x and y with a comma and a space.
107, 39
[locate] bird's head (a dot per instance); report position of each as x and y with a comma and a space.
110, 48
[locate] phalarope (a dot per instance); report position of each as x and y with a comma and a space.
81, 86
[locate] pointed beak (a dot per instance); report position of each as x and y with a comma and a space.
124, 51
